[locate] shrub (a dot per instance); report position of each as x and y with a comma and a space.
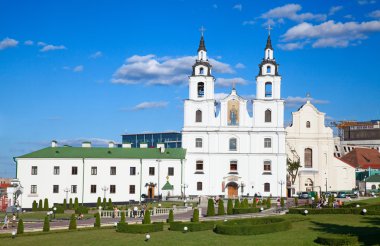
268, 203
357, 211
146, 219
171, 216
81, 210
20, 226
46, 227
104, 204
97, 220
195, 215
259, 202
230, 207
71, 203
46, 204
254, 202
110, 205
98, 202
34, 206
316, 198
64, 203
195, 226
122, 217
221, 207
282, 202
76, 203
337, 239
73, 222
210, 208
237, 203
40, 208
245, 203
296, 201
245, 210
59, 209
140, 228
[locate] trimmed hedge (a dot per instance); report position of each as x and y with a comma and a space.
253, 226
245, 210
81, 210
337, 239
193, 226
20, 227
140, 228
370, 211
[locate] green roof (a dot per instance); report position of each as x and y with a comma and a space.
167, 186
109, 153
373, 178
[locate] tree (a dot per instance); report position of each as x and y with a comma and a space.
292, 168
46, 204
73, 222
20, 226
210, 208
282, 202
97, 220
316, 198
221, 207
122, 217
64, 204
104, 205
230, 206
237, 203
76, 203
110, 205
171, 216
98, 202
71, 203
34, 206
245, 204
46, 227
146, 219
296, 201
195, 215
254, 202
40, 208
269, 203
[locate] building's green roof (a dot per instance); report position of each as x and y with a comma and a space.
373, 178
97, 152
167, 186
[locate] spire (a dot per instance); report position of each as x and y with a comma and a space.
269, 42
202, 45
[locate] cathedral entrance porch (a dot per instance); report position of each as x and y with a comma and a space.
232, 189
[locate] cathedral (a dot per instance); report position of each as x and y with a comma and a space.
229, 152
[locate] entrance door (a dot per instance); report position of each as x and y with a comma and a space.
232, 190
150, 192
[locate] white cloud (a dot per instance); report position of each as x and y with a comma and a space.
249, 22
79, 141
349, 17
374, 14
149, 105
8, 43
220, 96
292, 46
238, 6
28, 42
150, 69
298, 101
96, 55
240, 65
41, 43
331, 34
335, 9
50, 47
78, 68
228, 82
364, 2
290, 11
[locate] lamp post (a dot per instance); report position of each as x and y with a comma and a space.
281, 183
67, 190
54, 211
105, 188
184, 186
365, 186
158, 177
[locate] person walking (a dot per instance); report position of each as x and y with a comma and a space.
14, 220
142, 210
6, 221
135, 212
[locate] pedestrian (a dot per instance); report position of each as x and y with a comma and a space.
142, 211
13, 220
6, 221
135, 212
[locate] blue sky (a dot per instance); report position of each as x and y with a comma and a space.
75, 70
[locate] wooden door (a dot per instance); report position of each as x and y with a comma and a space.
232, 191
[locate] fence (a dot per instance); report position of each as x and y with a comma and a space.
153, 212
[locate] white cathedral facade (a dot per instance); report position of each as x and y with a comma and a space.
229, 152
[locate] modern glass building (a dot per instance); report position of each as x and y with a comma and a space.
170, 139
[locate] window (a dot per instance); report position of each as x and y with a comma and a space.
268, 89
268, 69
268, 115
94, 170
93, 188
373, 187
267, 166
267, 143
266, 187
199, 185
33, 189
201, 89
74, 189
132, 171
132, 189
74, 170
198, 116
34, 170
308, 158
56, 170
151, 171
199, 166
307, 124
233, 144
233, 166
113, 170
201, 70
170, 171
55, 188
198, 143
112, 189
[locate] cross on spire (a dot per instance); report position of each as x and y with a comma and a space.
308, 97
269, 28
202, 30
233, 85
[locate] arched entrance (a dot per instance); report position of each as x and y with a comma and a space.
309, 185
232, 189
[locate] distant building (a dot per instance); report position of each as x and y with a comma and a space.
169, 139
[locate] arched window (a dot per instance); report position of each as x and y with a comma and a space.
198, 116
201, 89
308, 158
267, 143
198, 143
268, 69
307, 124
268, 54
268, 115
201, 71
266, 187
373, 187
268, 89
233, 144
267, 166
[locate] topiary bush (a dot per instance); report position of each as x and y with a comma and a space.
357, 211
171, 216
76, 203
104, 204
194, 226
245, 210
73, 222
20, 226
122, 217
254, 204
195, 215
64, 203
110, 205
81, 210
221, 207
71, 203
97, 220
146, 219
40, 207
59, 209
34, 206
230, 207
282, 202
140, 228
210, 208
244, 203
268, 203
46, 227
46, 204
98, 202
337, 239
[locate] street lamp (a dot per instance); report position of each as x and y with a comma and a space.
54, 211
105, 189
281, 183
158, 164
184, 186
67, 190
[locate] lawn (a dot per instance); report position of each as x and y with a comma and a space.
367, 228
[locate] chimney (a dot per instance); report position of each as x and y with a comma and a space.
126, 145
86, 144
53, 144
161, 146
111, 144
143, 145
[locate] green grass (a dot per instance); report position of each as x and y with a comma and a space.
304, 232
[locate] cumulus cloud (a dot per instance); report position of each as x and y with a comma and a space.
365, 2
228, 82
96, 55
50, 47
374, 14
335, 9
153, 70
249, 23
8, 43
240, 65
29, 42
297, 101
331, 34
41, 43
147, 105
291, 12
238, 6
292, 46
78, 68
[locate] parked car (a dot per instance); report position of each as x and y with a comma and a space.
335, 194
304, 195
